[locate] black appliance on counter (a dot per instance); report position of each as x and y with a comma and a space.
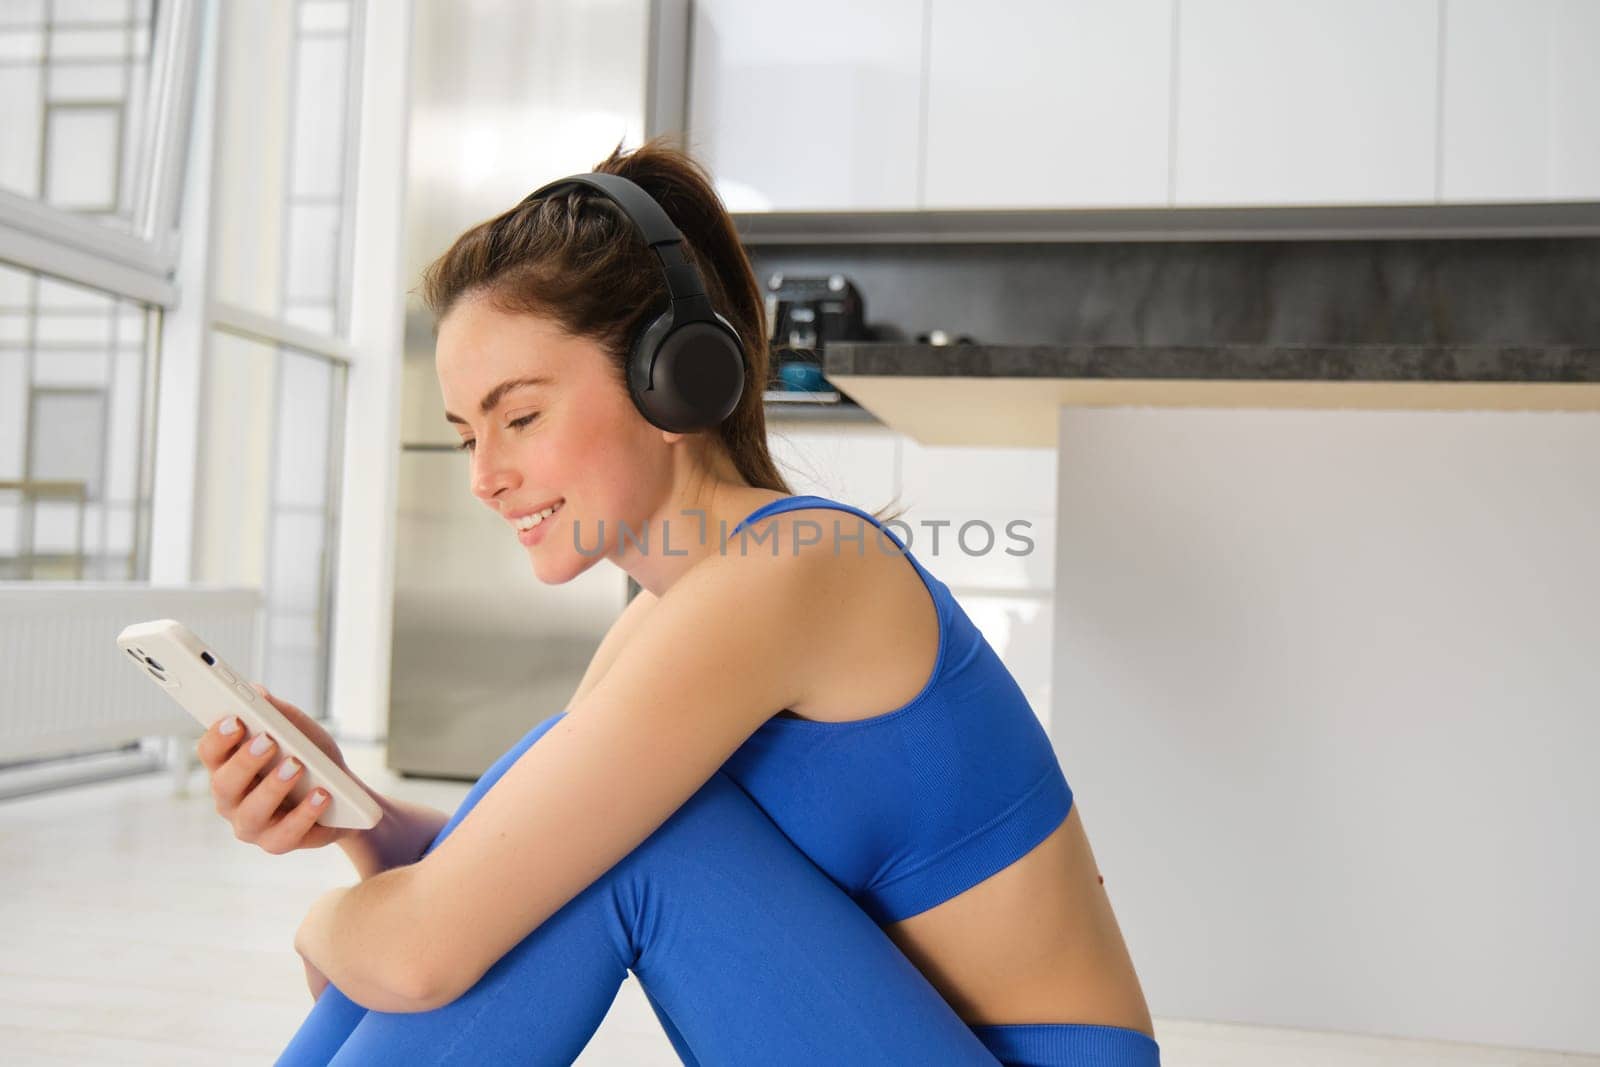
807, 313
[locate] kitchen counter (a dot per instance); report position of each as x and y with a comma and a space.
1012, 394
784, 405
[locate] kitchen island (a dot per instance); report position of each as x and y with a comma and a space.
1011, 394
1325, 664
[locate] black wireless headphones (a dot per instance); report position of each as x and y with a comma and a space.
686, 366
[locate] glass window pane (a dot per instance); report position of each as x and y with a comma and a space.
234, 462
23, 13
304, 453
319, 142
297, 541
324, 15
68, 45
78, 11
70, 366
84, 83
270, 458
19, 163
13, 411
68, 441
299, 672
56, 528
82, 156
74, 75
21, 46
73, 410
283, 160
313, 315
313, 254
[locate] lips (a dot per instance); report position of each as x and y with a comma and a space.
513, 516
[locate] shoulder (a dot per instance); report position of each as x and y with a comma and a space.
806, 545
805, 564
814, 543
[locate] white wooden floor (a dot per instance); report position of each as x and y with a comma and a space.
137, 930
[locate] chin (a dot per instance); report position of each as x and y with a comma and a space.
561, 569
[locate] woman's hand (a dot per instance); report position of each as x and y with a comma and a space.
251, 796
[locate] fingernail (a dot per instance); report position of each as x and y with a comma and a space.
259, 688
317, 798
260, 745
229, 725
286, 772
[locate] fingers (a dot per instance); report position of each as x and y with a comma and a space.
289, 832
215, 746
248, 757
262, 796
249, 785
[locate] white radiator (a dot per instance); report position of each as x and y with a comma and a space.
65, 687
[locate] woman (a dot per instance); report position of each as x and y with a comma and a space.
795, 792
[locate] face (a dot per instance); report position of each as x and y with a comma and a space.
570, 437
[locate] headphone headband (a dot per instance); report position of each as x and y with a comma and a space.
659, 232
685, 367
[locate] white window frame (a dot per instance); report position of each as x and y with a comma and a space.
374, 196
136, 264
164, 262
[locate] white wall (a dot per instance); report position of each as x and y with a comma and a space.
1327, 689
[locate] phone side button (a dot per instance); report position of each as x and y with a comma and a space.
222, 672
249, 694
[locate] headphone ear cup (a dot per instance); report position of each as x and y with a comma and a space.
641, 356
689, 377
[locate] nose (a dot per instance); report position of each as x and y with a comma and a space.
490, 472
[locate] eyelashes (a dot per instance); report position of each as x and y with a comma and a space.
466, 446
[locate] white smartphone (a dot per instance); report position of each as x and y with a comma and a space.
174, 658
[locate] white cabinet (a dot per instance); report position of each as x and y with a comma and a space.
851, 464
983, 521
1521, 100
808, 107
1309, 102
960, 499
955, 497
1045, 103
966, 105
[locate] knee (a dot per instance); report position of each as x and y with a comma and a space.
719, 819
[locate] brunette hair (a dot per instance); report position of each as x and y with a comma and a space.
575, 258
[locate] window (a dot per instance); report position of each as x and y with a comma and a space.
277, 362
281, 204
96, 119
77, 372
76, 78
270, 459
96, 129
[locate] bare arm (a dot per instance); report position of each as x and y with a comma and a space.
629, 747
622, 627
407, 829
400, 837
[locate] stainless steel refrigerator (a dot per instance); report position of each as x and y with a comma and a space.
505, 97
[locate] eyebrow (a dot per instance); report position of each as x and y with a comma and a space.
495, 395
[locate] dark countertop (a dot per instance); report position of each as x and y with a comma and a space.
1332, 363
1012, 394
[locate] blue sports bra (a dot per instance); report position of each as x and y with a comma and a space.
906, 809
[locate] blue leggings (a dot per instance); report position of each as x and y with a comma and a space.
745, 950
